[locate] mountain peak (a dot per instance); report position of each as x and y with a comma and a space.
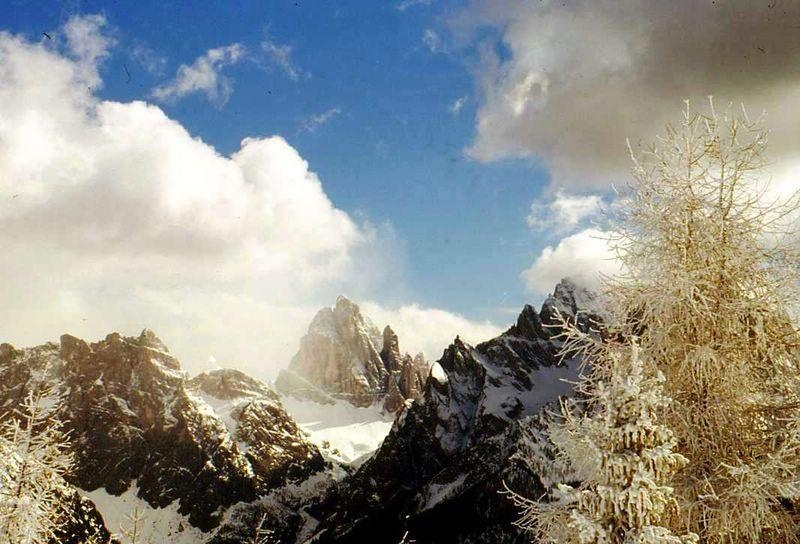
138, 423
345, 304
458, 445
149, 339
229, 383
572, 301
528, 325
345, 355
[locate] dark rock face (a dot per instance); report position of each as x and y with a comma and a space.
222, 444
344, 356
270, 440
80, 522
439, 472
134, 415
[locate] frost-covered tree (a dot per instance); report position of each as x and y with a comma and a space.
133, 530
262, 534
711, 283
709, 290
34, 457
620, 450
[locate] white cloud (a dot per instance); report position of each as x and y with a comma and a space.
457, 105
405, 4
583, 256
576, 79
281, 55
432, 41
313, 122
88, 45
204, 75
152, 62
429, 330
563, 211
114, 217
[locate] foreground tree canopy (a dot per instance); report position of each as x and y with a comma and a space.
709, 288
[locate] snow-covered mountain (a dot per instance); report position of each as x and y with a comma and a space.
344, 356
139, 426
208, 458
439, 472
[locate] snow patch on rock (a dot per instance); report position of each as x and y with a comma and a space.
438, 373
157, 525
343, 432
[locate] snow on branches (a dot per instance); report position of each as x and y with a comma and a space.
622, 453
34, 457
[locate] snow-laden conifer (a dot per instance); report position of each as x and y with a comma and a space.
621, 451
34, 457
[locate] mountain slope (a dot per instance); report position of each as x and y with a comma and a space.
477, 424
136, 419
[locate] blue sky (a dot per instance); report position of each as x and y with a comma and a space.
393, 152
218, 171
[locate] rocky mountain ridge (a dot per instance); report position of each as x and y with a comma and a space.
135, 417
439, 474
221, 446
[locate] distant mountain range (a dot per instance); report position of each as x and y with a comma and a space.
219, 452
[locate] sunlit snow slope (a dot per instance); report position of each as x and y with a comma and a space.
343, 432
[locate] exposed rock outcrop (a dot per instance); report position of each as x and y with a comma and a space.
344, 356
406, 382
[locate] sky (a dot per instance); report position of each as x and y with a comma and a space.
218, 171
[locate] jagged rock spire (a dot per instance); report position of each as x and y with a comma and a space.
344, 354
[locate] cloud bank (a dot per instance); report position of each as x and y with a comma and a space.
569, 82
114, 217
584, 256
563, 212
577, 78
429, 330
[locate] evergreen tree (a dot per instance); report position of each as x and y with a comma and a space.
34, 457
620, 450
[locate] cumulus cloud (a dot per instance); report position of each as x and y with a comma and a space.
281, 56
429, 330
576, 79
313, 122
113, 217
204, 75
584, 257
563, 211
